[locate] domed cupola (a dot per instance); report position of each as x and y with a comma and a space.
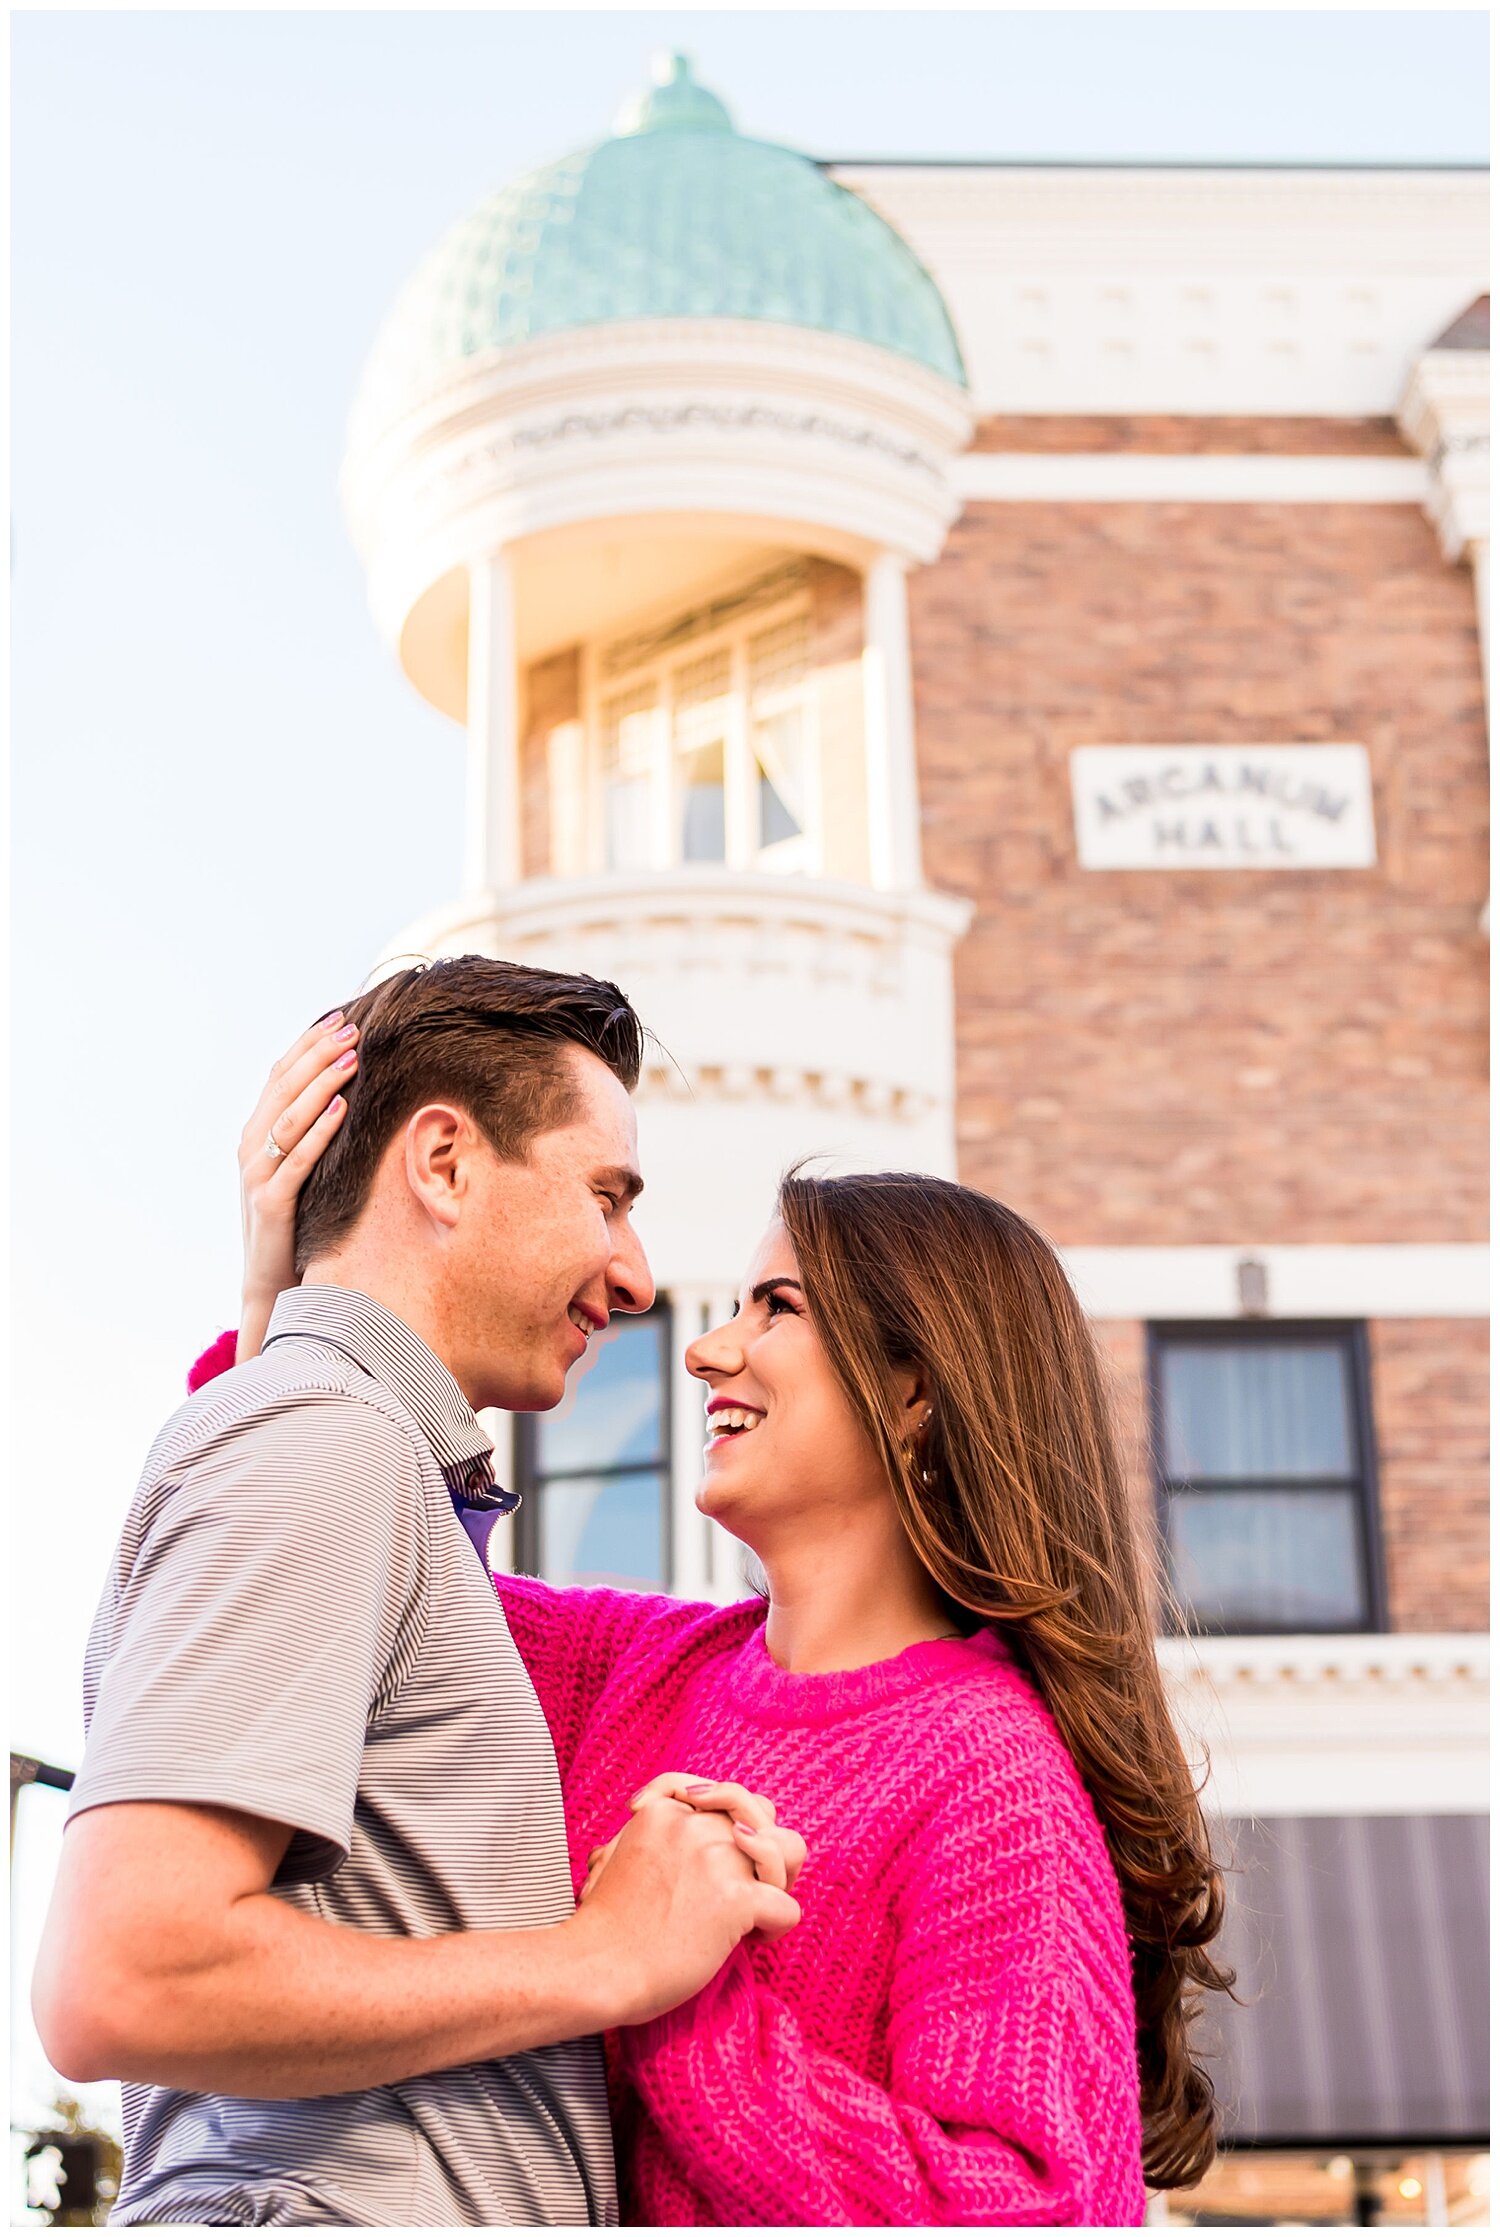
638, 468
678, 324
675, 216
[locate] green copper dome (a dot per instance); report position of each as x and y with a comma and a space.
677, 215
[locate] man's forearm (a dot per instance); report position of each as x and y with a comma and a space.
290, 2006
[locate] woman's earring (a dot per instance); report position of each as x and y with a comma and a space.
926, 1476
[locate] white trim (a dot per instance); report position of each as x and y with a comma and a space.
1321, 1658
1133, 477
1116, 289
1315, 1281
1374, 1725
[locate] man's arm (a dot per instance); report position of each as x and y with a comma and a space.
166, 1959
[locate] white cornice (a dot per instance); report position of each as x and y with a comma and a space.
1089, 477
1320, 1726
1312, 1281
795, 438
708, 356
1311, 220
1114, 290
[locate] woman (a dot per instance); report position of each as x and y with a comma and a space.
951, 1690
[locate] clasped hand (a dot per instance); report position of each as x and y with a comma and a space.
774, 1852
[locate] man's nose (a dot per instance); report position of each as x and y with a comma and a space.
632, 1288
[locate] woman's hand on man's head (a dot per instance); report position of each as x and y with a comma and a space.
300, 1109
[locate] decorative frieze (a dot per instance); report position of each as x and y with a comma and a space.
666, 419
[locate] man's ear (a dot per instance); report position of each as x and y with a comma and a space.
438, 1144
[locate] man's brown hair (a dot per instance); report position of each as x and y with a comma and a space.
489, 1036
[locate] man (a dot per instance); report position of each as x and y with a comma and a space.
314, 1905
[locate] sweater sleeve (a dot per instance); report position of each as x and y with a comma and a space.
573, 1639
217, 1360
1005, 2107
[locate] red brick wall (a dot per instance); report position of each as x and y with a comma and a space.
1430, 1383
1122, 1349
1146, 1057
1220, 435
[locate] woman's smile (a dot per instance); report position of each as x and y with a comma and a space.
730, 1419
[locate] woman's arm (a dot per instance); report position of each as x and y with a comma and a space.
575, 1641
1012, 2099
299, 1112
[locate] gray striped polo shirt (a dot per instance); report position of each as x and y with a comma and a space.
295, 1625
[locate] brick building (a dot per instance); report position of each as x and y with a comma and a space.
992, 659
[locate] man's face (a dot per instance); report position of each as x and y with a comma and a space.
547, 1250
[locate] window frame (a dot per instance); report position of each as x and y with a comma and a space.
1363, 1482
741, 801
531, 1480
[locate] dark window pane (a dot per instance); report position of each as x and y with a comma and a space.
605, 1530
1255, 1410
1285, 1559
612, 1409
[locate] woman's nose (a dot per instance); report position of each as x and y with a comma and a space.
717, 1353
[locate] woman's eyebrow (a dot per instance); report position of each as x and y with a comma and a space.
763, 1290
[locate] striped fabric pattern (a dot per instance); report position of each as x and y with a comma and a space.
295, 1625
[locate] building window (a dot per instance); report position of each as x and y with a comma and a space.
594, 1473
1265, 1476
703, 744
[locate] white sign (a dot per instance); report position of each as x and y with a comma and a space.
1223, 807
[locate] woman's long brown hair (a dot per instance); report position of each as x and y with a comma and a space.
1015, 1501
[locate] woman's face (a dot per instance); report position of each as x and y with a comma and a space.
786, 1454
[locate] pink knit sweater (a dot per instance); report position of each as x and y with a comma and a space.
948, 2037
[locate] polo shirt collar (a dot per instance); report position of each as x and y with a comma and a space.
396, 1356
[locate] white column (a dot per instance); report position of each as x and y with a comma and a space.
890, 731
692, 1314
492, 798
705, 1559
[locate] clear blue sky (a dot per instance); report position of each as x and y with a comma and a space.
225, 798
